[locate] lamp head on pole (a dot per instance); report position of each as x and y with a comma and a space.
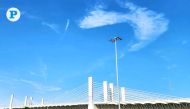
115, 39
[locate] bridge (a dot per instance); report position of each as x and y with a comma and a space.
94, 95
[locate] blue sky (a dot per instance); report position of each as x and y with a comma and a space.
56, 45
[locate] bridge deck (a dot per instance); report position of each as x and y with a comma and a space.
123, 106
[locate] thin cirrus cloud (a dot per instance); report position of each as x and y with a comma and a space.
42, 71
147, 24
40, 87
56, 27
52, 26
67, 25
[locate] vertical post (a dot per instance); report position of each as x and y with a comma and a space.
42, 103
111, 92
90, 93
11, 101
123, 94
31, 101
105, 91
117, 77
25, 101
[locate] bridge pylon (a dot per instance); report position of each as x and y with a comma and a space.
90, 93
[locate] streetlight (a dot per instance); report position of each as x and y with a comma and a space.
114, 40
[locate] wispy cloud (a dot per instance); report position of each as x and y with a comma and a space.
121, 55
99, 17
184, 42
147, 24
96, 65
40, 87
172, 66
31, 16
42, 71
67, 25
52, 26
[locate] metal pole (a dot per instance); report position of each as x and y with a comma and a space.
117, 77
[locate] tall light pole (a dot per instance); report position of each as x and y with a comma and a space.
114, 40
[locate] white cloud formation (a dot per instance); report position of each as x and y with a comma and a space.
147, 24
100, 17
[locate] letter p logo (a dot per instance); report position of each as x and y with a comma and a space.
13, 14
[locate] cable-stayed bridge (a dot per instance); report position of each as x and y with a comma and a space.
94, 95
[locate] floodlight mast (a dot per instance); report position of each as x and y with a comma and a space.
114, 40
